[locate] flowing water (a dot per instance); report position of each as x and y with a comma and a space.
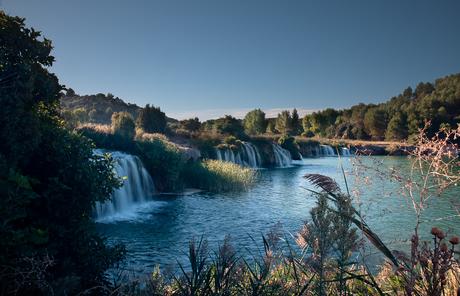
327, 150
158, 231
282, 156
248, 155
136, 191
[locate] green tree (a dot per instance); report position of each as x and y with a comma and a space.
408, 93
50, 178
228, 125
375, 122
283, 123
322, 121
270, 126
423, 89
151, 119
296, 124
254, 122
123, 125
397, 127
306, 123
191, 125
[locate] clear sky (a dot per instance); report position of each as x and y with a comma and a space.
218, 57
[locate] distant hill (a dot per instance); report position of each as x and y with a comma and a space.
97, 108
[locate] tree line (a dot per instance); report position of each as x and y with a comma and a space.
397, 119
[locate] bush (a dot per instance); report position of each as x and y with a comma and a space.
164, 161
123, 125
227, 125
190, 125
152, 119
290, 144
230, 140
308, 134
206, 145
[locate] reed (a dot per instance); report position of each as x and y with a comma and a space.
218, 176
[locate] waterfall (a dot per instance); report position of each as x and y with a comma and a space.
282, 156
345, 151
137, 186
247, 155
327, 150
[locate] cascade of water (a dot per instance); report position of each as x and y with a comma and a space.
137, 185
247, 155
282, 156
251, 155
345, 151
219, 154
327, 150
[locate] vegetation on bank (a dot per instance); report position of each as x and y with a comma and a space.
168, 165
49, 178
218, 176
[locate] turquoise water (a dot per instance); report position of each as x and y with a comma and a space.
160, 230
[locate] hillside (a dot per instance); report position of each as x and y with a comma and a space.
96, 108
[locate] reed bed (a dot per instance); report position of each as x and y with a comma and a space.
218, 176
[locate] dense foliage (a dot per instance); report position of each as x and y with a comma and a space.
397, 119
96, 108
290, 144
227, 125
123, 125
254, 122
49, 178
151, 119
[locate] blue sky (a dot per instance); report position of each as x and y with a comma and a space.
210, 58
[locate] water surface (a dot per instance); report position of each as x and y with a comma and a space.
160, 230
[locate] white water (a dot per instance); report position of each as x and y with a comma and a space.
247, 155
132, 197
345, 151
282, 156
327, 150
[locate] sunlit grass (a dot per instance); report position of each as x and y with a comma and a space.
218, 176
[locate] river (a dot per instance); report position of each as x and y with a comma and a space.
158, 231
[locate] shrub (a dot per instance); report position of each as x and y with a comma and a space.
190, 125
290, 144
206, 145
123, 125
230, 140
164, 161
308, 134
151, 119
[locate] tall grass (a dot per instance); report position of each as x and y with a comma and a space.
218, 176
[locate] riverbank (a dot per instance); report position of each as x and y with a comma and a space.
393, 148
